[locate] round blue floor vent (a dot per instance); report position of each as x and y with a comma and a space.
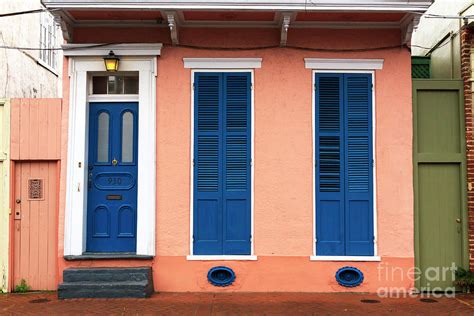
349, 276
221, 276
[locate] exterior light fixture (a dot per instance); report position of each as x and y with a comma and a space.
111, 62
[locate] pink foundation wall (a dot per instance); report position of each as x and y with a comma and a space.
283, 195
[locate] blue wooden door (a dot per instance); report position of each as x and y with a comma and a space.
344, 170
222, 160
112, 177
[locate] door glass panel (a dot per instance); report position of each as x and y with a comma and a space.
127, 137
130, 85
99, 85
103, 137
115, 84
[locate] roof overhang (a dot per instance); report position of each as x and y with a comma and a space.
282, 5
281, 14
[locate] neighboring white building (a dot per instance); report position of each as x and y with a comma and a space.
29, 73
432, 32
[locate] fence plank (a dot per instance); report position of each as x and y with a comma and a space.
36, 129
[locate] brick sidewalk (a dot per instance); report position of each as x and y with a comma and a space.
234, 304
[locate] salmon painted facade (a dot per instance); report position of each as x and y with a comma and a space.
270, 140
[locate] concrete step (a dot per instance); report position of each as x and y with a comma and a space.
106, 283
106, 274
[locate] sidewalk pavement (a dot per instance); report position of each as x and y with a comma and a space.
46, 303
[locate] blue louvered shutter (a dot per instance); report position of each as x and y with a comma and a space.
359, 230
329, 165
207, 232
237, 155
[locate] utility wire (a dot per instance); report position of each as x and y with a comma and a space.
58, 48
314, 49
439, 45
26, 12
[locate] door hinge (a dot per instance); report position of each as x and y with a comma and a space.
250, 162
250, 238
251, 86
194, 86
373, 163
315, 87
371, 86
315, 163
194, 163
315, 239
193, 238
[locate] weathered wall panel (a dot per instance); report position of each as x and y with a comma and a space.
4, 192
23, 74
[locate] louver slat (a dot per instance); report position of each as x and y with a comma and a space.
330, 163
236, 103
236, 163
208, 163
358, 160
358, 148
236, 135
329, 131
208, 103
329, 171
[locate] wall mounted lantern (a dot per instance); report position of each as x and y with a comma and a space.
111, 62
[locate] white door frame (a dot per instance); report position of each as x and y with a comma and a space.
75, 222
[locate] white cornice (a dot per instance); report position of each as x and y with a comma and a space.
343, 64
296, 5
222, 63
135, 49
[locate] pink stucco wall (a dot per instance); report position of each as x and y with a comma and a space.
283, 159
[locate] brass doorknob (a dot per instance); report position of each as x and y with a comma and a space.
114, 162
458, 220
18, 201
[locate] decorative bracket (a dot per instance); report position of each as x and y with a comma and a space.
285, 25
173, 25
408, 25
66, 26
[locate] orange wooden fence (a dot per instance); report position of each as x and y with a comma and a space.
35, 129
35, 155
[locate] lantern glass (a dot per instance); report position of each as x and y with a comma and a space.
111, 62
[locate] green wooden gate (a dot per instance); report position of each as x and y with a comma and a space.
439, 181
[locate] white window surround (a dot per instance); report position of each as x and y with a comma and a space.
252, 256
222, 63
345, 258
77, 158
350, 67
221, 258
343, 64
